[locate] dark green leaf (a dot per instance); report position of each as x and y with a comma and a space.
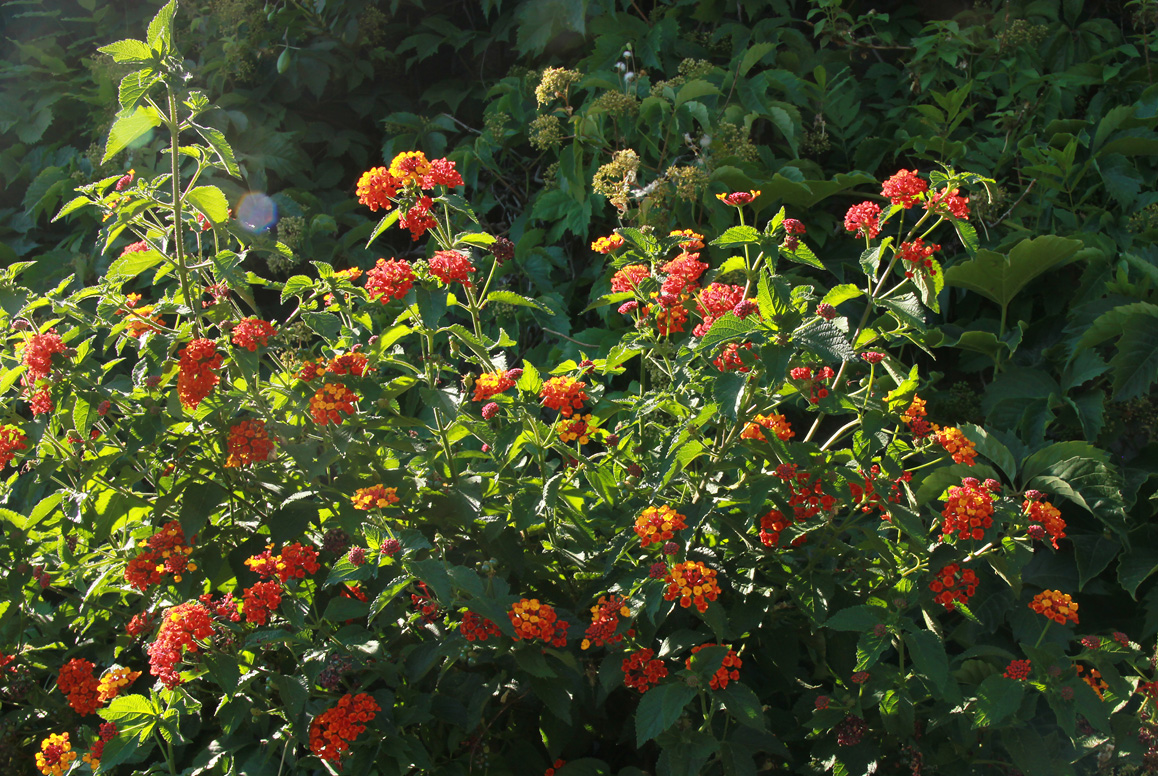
659, 709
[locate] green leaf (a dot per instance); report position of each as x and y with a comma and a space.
929, 284
326, 324
130, 128
752, 56
737, 235
967, 234
906, 308
511, 298
211, 202
76, 203
998, 698
434, 574
1135, 567
477, 239
802, 254
644, 241
128, 51
295, 286
216, 140
160, 34
82, 416
1135, 365
727, 390
991, 448
1000, 278
130, 265
743, 704
388, 594
387, 221
855, 618
659, 709
824, 339
134, 86
842, 293
929, 656
727, 329
693, 90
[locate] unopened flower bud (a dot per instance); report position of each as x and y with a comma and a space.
490, 409
670, 548
503, 250
1034, 495
391, 547
992, 485
744, 308
634, 470
514, 374
826, 311
356, 556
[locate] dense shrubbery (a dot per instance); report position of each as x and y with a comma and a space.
428, 513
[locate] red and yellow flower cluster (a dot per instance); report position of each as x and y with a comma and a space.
490, 384
607, 244
114, 681
259, 600
953, 440
55, 757
198, 372
728, 671
641, 671
605, 622
451, 267
627, 280
332, 731
375, 496
38, 353
953, 584
409, 174
771, 525
656, 525
578, 429
248, 443
563, 393
777, 424
692, 583
294, 561
1056, 606
968, 511
1046, 518
167, 553
183, 627
534, 620
330, 402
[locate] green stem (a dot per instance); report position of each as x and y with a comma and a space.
178, 237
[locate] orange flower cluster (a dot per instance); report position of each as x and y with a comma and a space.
55, 757
259, 600
477, 628
1093, 679
451, 267
771, 525
777, 424
12, 439
388, 280
114, 681
689, 240
294, 562
968, 511
349, 364
198, 372
167, 553
914, 418
669, 319
374, 496
730, 359
38, 352
868, 497
491, 384
904, 188
329, 403
184, 625
691, 582
683, 274
605, 622
656, 525
728, 671
807, 497
251, 333
955, 443
1055, 605
248, 443
641, 671
628, 279
533, 620
1048, 517
332, 731
950, 587
607, 244
78, 683
563, 393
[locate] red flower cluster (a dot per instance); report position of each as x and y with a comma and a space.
629, 278
953, 440
817, 391
12, 439
451, 266
388, 280
533, 620
491, 384
224, 607
378, 496
425, 603
771, 525
968, 511
79, 685
41, 402
139, 623
1018, 669
332, 731
251, 333
918, 256
1047, 516
641, 671
868, 497
260, 600
691, 582
807, 497
564, 394
38, 352
946, 202
655, 525
714, 302
670, 315
914, 418
167, 552
729, 671
777, 424
294, 562
950, 587
683, 273
730, 359
605, 622
864, 219
904, 188
1056, 606
183, 627
477, 628
248, 443
198, 372
329, 403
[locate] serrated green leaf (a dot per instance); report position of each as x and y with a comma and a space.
659, 709
929, 656
128, 51
74, 204
824, 339
130, 265
842, 293
743, 704
997, 700
216, 140
737, 235
134, 86
387, 221
211, 202
511, 298
160, 33
129, 128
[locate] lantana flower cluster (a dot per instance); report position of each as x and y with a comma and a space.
968, 511
166, 552
198, 372
604, 626
185, 628
655, 525
641, 671
729, 670
692, 583
534, 620
332, 731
